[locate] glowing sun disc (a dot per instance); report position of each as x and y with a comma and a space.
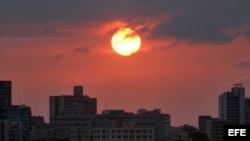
126, 42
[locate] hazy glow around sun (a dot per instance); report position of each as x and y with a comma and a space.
126, 42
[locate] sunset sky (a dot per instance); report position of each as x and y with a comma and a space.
191, 52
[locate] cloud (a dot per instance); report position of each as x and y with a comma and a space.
245, 63
27, 31
71, 11
194, 20
203, 21
190, 32
50, 31
248, 32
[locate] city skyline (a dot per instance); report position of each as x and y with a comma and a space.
74, 117
78, 90
190, 53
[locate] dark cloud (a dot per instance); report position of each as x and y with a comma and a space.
194, 20
244, 63
71, 11
23, 31
204, 21
192, 32
248, 32
48, 30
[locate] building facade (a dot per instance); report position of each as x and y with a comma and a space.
22, 113
71, 111
5, 98
10, 130
215, 129
76, 104
142, 119
232, 103
5, 93
202, 123
113, 134
247, 111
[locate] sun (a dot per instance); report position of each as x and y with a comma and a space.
126, 42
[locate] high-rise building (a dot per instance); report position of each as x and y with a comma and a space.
5, 93
16, 119
234, 109
231, 105
5, 98
76, 104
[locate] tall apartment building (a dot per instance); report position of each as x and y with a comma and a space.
15, 119
5, 98
76, 104
232, 105
234, 109
5, 93
68, 111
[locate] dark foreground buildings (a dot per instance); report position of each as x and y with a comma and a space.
75, 117
15, 120
234, 109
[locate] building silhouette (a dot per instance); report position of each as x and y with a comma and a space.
5, 98
22, 114
70, 111
112, 134
234, 109
118, 125
75, 117
15, 120
76, 104
5, 93
247, 111
232, 104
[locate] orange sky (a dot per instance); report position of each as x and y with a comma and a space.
182, 74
